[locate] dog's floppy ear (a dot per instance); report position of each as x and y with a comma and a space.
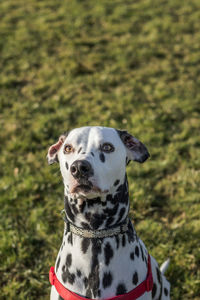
135, 149
52, 155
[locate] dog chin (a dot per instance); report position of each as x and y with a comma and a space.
89, 195
84, 195
86, 192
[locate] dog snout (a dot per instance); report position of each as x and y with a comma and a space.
81, 169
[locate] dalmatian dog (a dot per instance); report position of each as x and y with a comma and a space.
97, 260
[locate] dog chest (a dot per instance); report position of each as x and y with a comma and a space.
100, 268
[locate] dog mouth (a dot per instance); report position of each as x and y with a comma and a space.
86, 188
82, 186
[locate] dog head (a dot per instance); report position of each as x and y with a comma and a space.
93, 159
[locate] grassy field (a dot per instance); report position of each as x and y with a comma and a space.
126, 64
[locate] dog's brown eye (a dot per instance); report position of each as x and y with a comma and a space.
107, 147
68, 148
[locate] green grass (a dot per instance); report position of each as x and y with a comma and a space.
124, 64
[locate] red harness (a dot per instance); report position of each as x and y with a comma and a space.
145, 286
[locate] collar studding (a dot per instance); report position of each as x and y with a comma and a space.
89, 233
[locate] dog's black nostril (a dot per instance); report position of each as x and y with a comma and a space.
73, 169
84, 169
81, 168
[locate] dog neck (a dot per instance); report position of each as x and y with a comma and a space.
99, 213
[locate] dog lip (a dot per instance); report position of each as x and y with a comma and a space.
86, 186
83, 185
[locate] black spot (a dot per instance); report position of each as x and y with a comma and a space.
166, 291
102, 157
69, 260
121, 289
99, 293
70, 239
93, 201
83, 153
122, 193
132, 255
75, 210
116, 182
124, 240
121, 214
111, 211
60, 298
154, 290
82, 206
64, 277
135, 278
97, 220
88, 216
85, 281
96, 247
58, 263
78, 272
109, 221
108, 253
79, 150
67, 276
158, 274
85, 244
120, 188
92, 153
103, 203
68, 210
109, 197
66, 165
137, 252
71, 278
107, 279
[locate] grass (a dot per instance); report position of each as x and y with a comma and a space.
124, 64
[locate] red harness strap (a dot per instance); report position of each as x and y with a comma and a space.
145, 286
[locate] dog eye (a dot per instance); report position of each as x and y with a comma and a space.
107, 147
68, 148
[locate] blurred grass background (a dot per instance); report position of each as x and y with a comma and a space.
124, 64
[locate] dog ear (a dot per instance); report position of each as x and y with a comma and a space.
52, 155
136, 150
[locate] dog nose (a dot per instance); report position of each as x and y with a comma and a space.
81, 168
